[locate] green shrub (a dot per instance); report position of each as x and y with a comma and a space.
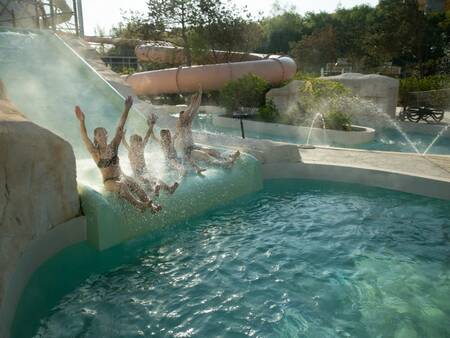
320, 88
338, 120
269, 112
319, 95
247, 91
125, 70
304, 76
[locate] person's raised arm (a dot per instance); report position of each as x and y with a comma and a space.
195, 105
124, 141
123, 119
151, 121
84, 136
154, 137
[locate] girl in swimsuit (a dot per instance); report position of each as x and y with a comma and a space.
137, 161
185, 141
171, 155
106, 157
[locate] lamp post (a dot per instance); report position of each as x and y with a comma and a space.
241, 116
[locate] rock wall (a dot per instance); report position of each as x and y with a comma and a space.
379, 96
38, 188
381, 90
285, 97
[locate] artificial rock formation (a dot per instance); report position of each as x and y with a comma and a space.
379, 89
38, 188
375, 105
285, 97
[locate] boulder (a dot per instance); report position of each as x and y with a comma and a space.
381, 90
38, 188
285, 97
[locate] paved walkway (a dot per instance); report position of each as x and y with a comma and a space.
430, 166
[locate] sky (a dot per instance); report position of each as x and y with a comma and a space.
106, 13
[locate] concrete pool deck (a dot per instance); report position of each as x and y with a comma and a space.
429, 166
427, 176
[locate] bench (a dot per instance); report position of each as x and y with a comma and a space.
426, 114
428, 106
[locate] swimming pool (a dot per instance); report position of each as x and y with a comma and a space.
299, 258
386, 139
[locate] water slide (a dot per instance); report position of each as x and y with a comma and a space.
211, 76
167, 52
45, 78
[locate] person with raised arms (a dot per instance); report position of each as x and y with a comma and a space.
106, 157
170, 154
185, 142
136, 149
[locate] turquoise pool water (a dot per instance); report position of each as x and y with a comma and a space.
299, 258
385, 139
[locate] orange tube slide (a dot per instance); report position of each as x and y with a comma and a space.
152, 52
211, 77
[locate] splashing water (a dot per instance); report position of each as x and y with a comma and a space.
312, 126
443, 130
365, 112
400, 130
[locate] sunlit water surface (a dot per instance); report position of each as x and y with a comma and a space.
297, 259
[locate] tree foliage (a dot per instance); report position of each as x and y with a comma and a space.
281, 30
224, 26
247, 91
176, 17
393, 32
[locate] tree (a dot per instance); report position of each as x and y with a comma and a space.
352, 28
224, 26
200, 25
315, 50
398, 32
280, 30
135, 25
175, 16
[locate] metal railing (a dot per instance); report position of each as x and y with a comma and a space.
42, 14
121, 63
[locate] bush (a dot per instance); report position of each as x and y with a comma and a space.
125, 70
269, 112
247, 91
321, 89
331, 98
338, 120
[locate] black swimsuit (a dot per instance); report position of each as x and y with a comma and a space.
108, 162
